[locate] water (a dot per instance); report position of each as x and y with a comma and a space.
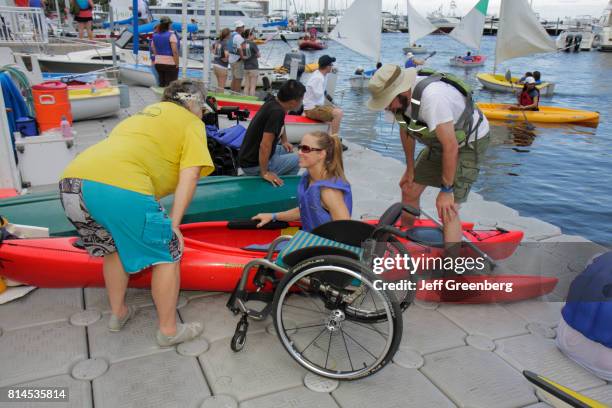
560, 174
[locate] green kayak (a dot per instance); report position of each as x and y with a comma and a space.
217, 198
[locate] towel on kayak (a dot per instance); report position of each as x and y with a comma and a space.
231, 137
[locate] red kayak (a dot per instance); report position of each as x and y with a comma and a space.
296, 126
215, 254
311, 45
475, 289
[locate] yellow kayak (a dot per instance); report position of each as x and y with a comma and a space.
560, 396
546, 114
498, 82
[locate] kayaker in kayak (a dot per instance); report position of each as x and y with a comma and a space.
260, 153
584, 333
316, 93
529, 98
538, 77
110, 194
442, 116
324, 194
468, 57
412, 62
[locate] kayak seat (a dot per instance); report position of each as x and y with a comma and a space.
428, 236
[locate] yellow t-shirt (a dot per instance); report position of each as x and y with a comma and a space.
145, 153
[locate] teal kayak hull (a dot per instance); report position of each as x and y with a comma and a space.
217, 198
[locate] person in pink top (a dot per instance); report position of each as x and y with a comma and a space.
165, 50
84, 16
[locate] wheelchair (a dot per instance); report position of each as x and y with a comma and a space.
328, 311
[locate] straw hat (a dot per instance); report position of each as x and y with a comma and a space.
389, 81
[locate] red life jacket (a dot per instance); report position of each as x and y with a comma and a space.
527, 99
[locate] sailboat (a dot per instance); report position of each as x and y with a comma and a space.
360, 30
418, 27
519, 34
469, 33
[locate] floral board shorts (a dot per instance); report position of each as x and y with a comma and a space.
110, 219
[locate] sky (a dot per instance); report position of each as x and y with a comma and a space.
550, 9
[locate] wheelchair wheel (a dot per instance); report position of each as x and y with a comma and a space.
311, 319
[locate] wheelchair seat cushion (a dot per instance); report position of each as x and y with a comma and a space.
316, 245
429, 236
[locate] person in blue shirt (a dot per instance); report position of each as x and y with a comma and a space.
537, 76
584, 333
412, 62
371, 72
524, 77
324, 194
468, 56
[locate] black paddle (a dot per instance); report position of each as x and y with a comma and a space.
430, 55
282, 36
528, 125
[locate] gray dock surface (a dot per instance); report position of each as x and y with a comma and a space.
451, 355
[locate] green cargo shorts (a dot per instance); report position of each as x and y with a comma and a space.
428, 167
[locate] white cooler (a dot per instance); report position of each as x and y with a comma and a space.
42, 159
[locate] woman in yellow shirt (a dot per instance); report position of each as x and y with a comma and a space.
110, 193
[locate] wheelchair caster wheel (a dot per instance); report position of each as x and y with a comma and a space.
239, 338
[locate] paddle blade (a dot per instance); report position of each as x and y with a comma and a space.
282, 36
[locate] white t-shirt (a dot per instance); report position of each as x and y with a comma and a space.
315, 90
441, 103
237, 42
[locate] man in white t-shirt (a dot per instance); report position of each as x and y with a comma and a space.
314, 100
236, 57
455, 138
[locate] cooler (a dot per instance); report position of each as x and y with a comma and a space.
42, 159
51, 103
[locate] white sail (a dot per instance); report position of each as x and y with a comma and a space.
360, 28
520, 32
418, 26
469, 31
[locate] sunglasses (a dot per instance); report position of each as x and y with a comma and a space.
307, 149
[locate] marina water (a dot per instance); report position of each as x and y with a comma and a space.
561, 174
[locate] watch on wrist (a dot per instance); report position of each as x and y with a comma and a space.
447, 189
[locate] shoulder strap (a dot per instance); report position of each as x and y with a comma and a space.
466, 119
417, 93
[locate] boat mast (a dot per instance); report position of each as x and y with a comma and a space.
217, 22
205, 68
135, 36
325, 16
184, 37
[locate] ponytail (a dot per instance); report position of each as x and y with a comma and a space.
334, 166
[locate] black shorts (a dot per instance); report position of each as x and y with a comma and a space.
83, 19
166, 74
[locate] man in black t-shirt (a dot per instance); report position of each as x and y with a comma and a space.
260, 152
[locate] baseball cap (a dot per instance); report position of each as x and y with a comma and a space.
530, 80
326, 61
239, 23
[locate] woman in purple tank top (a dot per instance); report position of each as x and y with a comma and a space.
324, 194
